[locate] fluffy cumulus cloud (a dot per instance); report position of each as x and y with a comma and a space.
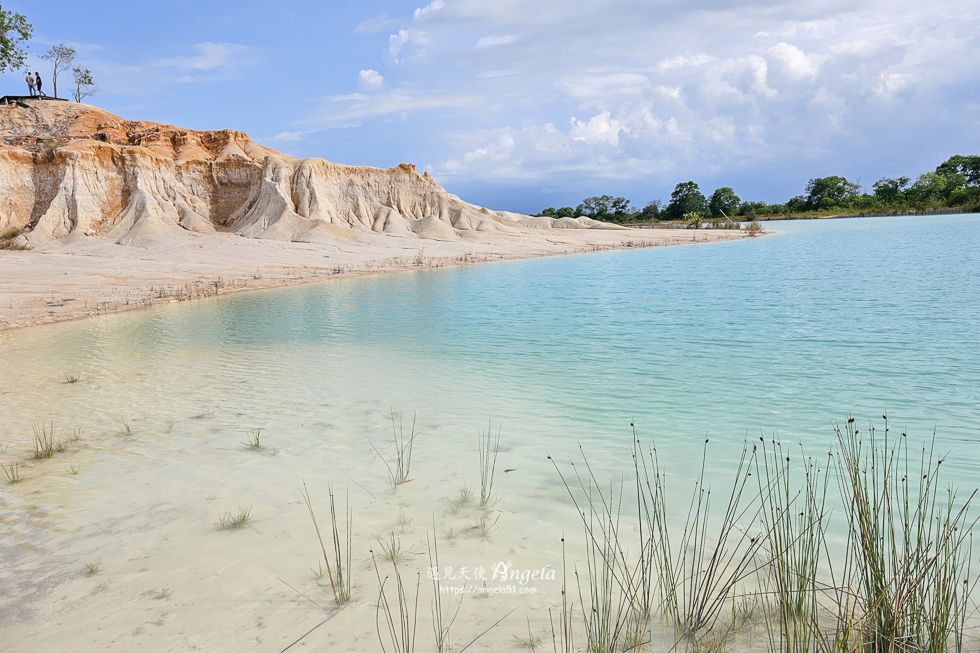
370, 80
571, 91
600, 129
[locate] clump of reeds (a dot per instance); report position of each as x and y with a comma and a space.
489, 446
486, 524
253, 439
902, 584
794, 518
612, 610
400, 468
690, 578
905, 581
12, 472
234, 520
697, 573
392, 549
442, 620
342, 554
400, 615
72, 377
340, 572
562, 637
45, 444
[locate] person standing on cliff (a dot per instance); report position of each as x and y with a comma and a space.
37, 82
30, 83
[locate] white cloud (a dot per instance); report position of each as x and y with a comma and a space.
395, 43
435, 5
600, 129
370, 80
637, 89
487, 41
343, 111
498, 150
205, 63
211, 56
796, 64
683, 61
403, 37
286, 137
889, 85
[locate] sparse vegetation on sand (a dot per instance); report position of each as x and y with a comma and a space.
234, 521
339, 573
13, 472
46, 445
253, 439
489, 448
396, 619
400, 467
901, 582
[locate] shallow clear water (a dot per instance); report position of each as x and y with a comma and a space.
782, 334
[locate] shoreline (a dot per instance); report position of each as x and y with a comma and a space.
63, 282
959, 210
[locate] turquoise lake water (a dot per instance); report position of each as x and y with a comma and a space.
782, 334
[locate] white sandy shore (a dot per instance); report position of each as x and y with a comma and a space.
89, 276
112, 545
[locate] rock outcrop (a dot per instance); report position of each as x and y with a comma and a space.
70, 170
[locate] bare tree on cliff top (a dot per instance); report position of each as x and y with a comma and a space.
61, 57
14, 29
84, 86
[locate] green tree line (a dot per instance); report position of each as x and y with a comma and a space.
955, 184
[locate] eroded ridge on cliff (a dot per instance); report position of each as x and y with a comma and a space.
70, 170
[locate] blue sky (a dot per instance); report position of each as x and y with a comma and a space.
521, 105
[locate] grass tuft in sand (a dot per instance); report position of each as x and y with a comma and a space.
253, 439
13, 472
233, 521
400, 467
339, 573
489, 445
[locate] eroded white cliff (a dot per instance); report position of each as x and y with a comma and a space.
69, 169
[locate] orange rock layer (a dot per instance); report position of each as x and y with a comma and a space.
70, 170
